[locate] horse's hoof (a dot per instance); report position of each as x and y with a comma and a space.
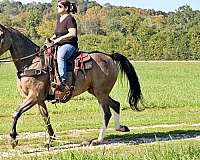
48, 144
14, 143
85, 143
123, 129
95, 143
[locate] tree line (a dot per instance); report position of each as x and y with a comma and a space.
139, 34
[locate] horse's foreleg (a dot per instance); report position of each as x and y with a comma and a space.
116, 107
28, 103
43, 111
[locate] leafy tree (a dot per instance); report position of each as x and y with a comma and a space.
91, 22
146, 29
183, 18
32, 22
5, 20
10, 7
91, 42
130, 24
46, 28
19, 20
162, 45
194, 44
82, 6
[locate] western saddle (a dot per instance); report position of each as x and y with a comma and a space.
80, 61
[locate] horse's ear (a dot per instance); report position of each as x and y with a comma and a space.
2, 28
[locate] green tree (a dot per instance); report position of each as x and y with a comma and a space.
5, 20
162, 45
130, 24
114, 23
183, 18
146, 29
91, 42
32, 22
10, 7
194, 44
46, 28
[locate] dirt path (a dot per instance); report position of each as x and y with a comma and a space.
42, 134
116, 141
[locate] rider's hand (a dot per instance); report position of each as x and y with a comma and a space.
57, 40
53, 37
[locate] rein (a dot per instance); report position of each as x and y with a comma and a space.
6, 59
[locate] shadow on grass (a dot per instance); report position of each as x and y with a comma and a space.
152, 137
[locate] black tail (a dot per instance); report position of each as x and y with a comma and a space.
126, 67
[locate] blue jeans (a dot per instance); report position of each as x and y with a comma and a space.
63, 54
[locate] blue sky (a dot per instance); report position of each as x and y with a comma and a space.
164, 5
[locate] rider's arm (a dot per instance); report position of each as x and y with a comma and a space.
71, 34
68, 36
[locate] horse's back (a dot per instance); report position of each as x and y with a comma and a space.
104, 65
101, 78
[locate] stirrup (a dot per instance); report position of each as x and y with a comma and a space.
57, 86
54, 85
65, 94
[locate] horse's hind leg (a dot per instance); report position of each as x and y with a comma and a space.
116, 107
106, 115
28, 103
43, 111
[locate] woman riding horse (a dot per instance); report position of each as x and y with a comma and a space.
66, 38
34, 81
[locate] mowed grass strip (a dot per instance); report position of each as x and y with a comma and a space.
120, 144
171, 150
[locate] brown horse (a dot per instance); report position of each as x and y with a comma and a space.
34, 81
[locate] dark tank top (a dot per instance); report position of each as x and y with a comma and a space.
62, 29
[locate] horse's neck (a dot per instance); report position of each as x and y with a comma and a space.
20, 48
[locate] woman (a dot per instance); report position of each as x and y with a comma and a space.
65, 36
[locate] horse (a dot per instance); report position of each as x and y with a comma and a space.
34, 86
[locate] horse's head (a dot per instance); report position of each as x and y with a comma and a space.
5, 39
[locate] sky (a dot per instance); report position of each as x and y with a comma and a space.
163, 5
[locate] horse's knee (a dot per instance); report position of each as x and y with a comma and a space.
16, 115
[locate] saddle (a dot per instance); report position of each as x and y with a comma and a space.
80, 61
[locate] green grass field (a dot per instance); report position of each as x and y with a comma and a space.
172, 96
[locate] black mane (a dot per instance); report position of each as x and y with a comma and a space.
23, 37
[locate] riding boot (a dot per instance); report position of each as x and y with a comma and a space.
63, 93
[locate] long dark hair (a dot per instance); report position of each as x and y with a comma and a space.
67, 4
